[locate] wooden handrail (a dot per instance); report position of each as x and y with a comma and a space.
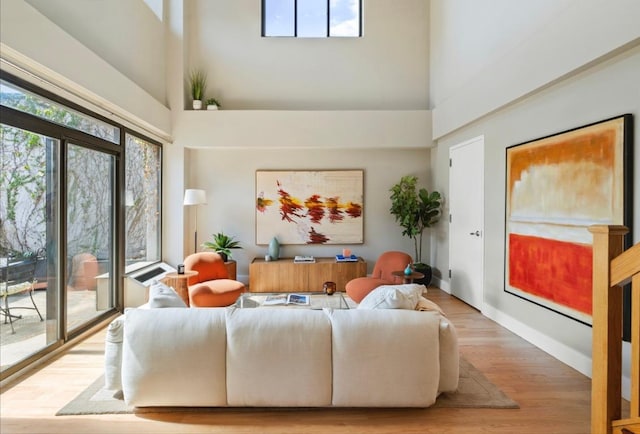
625, 266
613, 267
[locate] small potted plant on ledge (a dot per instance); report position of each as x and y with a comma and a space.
415, 210
197, 86
212, 104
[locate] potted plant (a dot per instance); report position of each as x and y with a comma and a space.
212, 104
197, 86
222, 244
415, 210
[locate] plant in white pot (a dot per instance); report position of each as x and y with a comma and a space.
197, 86
212, 104
415, 210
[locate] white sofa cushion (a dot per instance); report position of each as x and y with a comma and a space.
174, 357
385, 358
278, 357
393, 297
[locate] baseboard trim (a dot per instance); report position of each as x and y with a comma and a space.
560, 351
442, 284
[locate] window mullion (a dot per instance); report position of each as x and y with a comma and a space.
295, 18
328, 17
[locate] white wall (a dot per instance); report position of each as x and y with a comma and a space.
228, 176
127, 34
487, 54
299, 104
601, 91
387, 68
40, 48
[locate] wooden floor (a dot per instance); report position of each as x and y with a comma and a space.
553, 397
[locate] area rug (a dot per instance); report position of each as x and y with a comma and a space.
474, 391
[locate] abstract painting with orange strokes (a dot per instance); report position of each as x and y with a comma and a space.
309, 207
556, 187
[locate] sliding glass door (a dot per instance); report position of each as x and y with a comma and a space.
58, 220
79, 208
28, 243
90, 179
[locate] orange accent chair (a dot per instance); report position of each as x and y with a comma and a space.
387, 263
211, 287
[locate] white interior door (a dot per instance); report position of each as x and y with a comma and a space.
466, 227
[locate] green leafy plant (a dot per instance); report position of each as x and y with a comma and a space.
415, 210
212, 101
222, 244
197, 84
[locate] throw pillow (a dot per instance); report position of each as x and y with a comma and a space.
427, 305
393, 297
161, 295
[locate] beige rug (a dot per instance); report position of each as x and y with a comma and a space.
474, 391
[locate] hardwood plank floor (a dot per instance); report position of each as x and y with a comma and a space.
553, 397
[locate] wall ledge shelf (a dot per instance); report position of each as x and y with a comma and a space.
304, 129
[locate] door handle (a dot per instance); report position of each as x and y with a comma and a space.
476, 233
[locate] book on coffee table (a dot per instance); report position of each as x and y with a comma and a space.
298, 299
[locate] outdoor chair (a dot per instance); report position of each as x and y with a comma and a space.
17, 278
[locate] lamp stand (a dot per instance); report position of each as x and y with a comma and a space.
195, 242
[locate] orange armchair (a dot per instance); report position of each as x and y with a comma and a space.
387, 263
211, 287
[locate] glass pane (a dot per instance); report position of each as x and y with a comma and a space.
28, 244
25, 101
278, 17
312, 18
344, 18
90, 180
142, 200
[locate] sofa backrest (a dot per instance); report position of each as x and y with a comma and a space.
385, 358
287, 357
278, 357
174, 357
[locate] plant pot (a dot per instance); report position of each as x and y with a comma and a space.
212, 107
197, 104
231, 267
424, 269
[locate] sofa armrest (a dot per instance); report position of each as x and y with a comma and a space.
113, 355
449, 357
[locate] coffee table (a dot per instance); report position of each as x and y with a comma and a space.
317, 300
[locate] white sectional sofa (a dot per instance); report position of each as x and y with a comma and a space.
281, 357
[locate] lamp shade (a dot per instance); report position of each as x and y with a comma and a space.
194, 197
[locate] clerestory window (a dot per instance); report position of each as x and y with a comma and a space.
312, 18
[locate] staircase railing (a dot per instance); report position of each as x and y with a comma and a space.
612, 268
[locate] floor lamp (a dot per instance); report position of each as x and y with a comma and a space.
195, 197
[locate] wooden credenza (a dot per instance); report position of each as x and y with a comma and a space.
284, 275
